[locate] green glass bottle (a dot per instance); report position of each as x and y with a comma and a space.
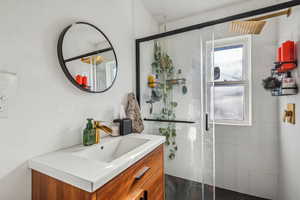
89, 134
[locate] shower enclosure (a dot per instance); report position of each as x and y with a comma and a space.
173, 99
194, 86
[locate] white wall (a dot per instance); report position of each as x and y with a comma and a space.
48, 112
289, 29
247, 157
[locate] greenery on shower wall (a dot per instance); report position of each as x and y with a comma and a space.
164, 70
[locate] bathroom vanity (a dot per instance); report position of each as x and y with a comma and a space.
123, 168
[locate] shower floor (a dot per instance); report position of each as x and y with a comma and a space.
182, 189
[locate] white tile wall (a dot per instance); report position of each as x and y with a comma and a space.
289, 184
263, 184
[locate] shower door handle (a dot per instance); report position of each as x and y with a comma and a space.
206, 122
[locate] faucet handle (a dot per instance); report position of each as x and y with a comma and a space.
104, 128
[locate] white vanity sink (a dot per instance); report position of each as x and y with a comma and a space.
89, 168
112, 149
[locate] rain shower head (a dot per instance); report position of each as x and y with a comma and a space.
255, 25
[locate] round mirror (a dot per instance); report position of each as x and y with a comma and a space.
87, 57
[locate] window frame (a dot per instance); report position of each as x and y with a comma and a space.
246, 82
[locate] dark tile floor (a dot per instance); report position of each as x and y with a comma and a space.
182, 189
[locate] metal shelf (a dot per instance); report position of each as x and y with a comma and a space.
170, 121
88, 54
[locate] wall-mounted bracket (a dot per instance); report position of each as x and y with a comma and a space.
289, 115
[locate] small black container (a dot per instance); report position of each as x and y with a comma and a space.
125, 126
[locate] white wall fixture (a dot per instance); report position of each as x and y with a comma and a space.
8, 84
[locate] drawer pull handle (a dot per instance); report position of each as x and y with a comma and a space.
141, 173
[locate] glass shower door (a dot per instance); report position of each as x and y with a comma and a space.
172, 82
208, 126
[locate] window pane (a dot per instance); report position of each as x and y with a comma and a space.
228, 63
229, 102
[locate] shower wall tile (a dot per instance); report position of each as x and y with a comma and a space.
257, 145
226, 177
187, 163
239, 169
263, 184
289, 29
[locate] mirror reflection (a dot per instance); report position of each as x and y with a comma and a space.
89, 59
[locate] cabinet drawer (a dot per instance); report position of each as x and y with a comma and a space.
153, 162
132, 179
154, 187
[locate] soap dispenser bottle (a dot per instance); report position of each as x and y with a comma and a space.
89, 134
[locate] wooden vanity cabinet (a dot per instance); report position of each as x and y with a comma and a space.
154, 187
142, 181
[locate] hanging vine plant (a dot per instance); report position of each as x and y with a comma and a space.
165, 71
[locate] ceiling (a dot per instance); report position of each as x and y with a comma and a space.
169, 10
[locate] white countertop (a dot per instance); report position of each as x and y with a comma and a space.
89, 174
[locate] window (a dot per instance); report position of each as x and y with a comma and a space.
231, 78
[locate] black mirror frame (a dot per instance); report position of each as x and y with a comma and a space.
63, 63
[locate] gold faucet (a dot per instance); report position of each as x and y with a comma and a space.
98, 126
